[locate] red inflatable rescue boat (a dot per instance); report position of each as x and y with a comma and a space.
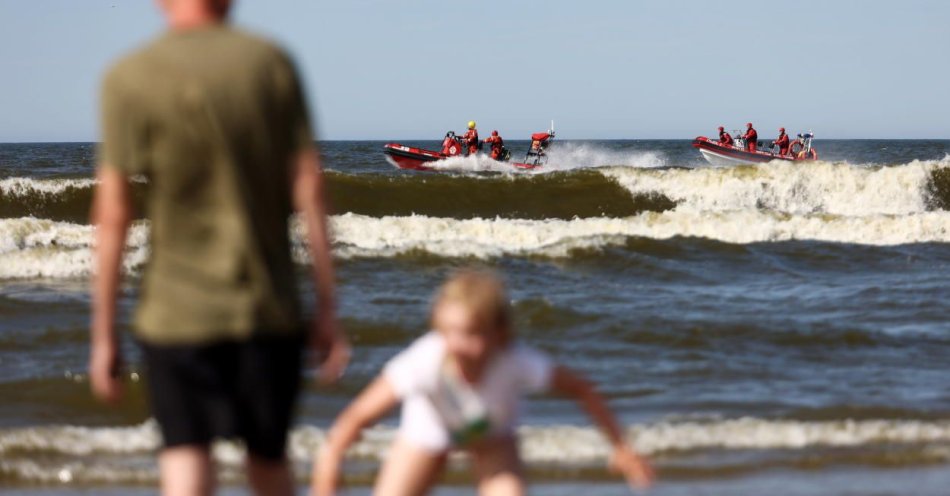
721, 154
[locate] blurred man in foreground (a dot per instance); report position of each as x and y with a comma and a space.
215, 120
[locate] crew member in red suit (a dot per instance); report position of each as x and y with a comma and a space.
782, 142
496, 144
450, 146
724, 137
751, 138
471, 138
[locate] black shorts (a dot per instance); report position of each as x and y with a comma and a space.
246, 390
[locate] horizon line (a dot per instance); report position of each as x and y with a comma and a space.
392, 140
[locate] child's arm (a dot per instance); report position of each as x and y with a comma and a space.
375, 401
625, 460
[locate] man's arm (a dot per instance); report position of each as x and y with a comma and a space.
311, 203
112, 215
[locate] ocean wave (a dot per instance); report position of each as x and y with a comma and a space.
361, 236
559, 196
57, 199
822, 187
116, 454
540, 444
24, 186
611, 191
39, 248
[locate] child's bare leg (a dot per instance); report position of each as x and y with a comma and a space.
269, 477
408, 471
186, 471
498, 468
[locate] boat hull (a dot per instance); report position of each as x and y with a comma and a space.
412, 158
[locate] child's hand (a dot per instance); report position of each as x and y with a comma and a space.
326, 474
331, 349
635, 469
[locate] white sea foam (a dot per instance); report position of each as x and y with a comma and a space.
70, 454
358, 235
32, 248
839, 189
23, 186
41, 248
579, 155
476, 163
561, 157
540, 444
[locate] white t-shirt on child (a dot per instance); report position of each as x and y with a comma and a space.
440, 410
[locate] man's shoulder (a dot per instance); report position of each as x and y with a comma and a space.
130, 65
253, 45
143, 59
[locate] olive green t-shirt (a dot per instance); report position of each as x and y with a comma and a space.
211, 118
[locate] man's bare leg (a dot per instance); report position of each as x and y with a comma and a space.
408, 471
498, 468
269, 477
186, 471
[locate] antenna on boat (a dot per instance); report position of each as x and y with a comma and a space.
552, 127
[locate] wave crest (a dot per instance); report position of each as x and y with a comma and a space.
31, 248
124, 454
822, 187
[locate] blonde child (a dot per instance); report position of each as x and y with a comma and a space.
461, 386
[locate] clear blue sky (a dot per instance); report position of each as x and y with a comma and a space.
602, 69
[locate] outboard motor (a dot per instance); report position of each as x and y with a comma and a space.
807, 137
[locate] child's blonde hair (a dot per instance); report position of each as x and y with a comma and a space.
483, 292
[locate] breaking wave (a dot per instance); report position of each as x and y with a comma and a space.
836, 189
608, 191
124, 454
551, 215
39, 248
483, 238
59, 199
559, 196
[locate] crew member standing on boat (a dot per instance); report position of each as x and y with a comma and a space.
496, 144
751, 138
724, 137
471, 138
781, 142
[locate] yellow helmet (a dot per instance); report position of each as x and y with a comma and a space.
471, 124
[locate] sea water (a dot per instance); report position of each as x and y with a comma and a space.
782, 328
